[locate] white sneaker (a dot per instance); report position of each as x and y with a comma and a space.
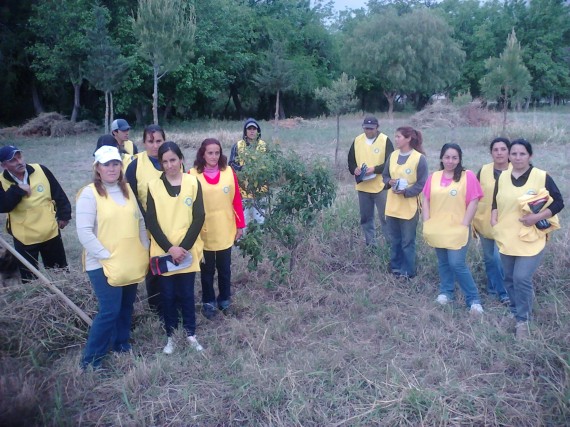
169, 347
442, 299
194, 343
476, 309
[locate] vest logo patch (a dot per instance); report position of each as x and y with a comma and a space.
408, 171
376, 150
226, 189
531, 192
453, 193
40, 188
188, 201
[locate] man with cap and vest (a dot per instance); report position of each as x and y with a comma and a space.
251, 141
37, 209
366, 160
120, 130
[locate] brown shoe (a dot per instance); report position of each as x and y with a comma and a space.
522, 331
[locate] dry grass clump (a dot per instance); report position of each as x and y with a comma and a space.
441, 114
55, 125
477, 115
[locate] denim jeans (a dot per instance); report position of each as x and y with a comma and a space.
112, 324
402, 237
518, 283
366, 203
222, 261
451, 266
493, 268
178, 293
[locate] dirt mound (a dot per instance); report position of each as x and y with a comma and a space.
447, 115
55, 125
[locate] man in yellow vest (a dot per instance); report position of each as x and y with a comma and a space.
37, 209
366, 160
120, 130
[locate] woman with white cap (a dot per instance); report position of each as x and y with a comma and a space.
112, 231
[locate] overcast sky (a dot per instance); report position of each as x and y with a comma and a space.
351, 4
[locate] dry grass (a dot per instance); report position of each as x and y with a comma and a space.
342, 343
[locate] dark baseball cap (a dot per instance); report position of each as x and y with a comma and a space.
370, 122
120, 124
8, 152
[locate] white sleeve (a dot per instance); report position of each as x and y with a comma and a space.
86, 223
143, 234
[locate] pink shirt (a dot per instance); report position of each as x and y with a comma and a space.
473, 191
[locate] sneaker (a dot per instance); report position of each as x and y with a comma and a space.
476, 309
209, 310
442, 299
505, 301
169, 347
194, 343
522, 330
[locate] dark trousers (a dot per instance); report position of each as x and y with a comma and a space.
153, 293
52, 252
177, 292
222, 261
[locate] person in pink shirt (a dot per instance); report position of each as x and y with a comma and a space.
450, 201
223, 226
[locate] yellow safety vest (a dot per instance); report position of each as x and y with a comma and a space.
33, 219
506, 231
129, 147
397, 205
372, 155
241, 147
482, 218
174, 215
118, 232
146, 172
219, 229
443, 229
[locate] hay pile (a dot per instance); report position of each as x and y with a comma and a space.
55, 125
447, 115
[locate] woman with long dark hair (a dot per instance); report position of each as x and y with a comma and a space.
451, 196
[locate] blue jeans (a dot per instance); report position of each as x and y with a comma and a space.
493, 268
366, 203
451, 266
518, 283
112, 324
222, 261
402, 237
178, 292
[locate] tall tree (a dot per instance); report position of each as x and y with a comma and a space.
507, 77
339, 99
106, 67
62, 46
165, 32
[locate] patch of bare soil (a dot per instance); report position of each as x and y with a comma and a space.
55, 125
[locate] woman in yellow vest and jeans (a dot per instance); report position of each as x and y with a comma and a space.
111, 229
450, 201
487, 176
521, 256
223, 226
406, 173
175, 216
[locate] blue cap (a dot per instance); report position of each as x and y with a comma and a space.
120, 124
8, 152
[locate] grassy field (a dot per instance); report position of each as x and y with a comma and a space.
342, 343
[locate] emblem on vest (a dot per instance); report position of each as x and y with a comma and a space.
188, 201
40, 188
226, 189
376, 150
408, 171
453, 193
531, 192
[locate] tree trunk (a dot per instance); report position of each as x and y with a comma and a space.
276, 123
155, 97
76, 98
337, 139
390, 97
106, 111
505, 106
111, 109
38, 107
235, 98
167, 111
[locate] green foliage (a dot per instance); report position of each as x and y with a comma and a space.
291, 194
507, 77
165, 32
